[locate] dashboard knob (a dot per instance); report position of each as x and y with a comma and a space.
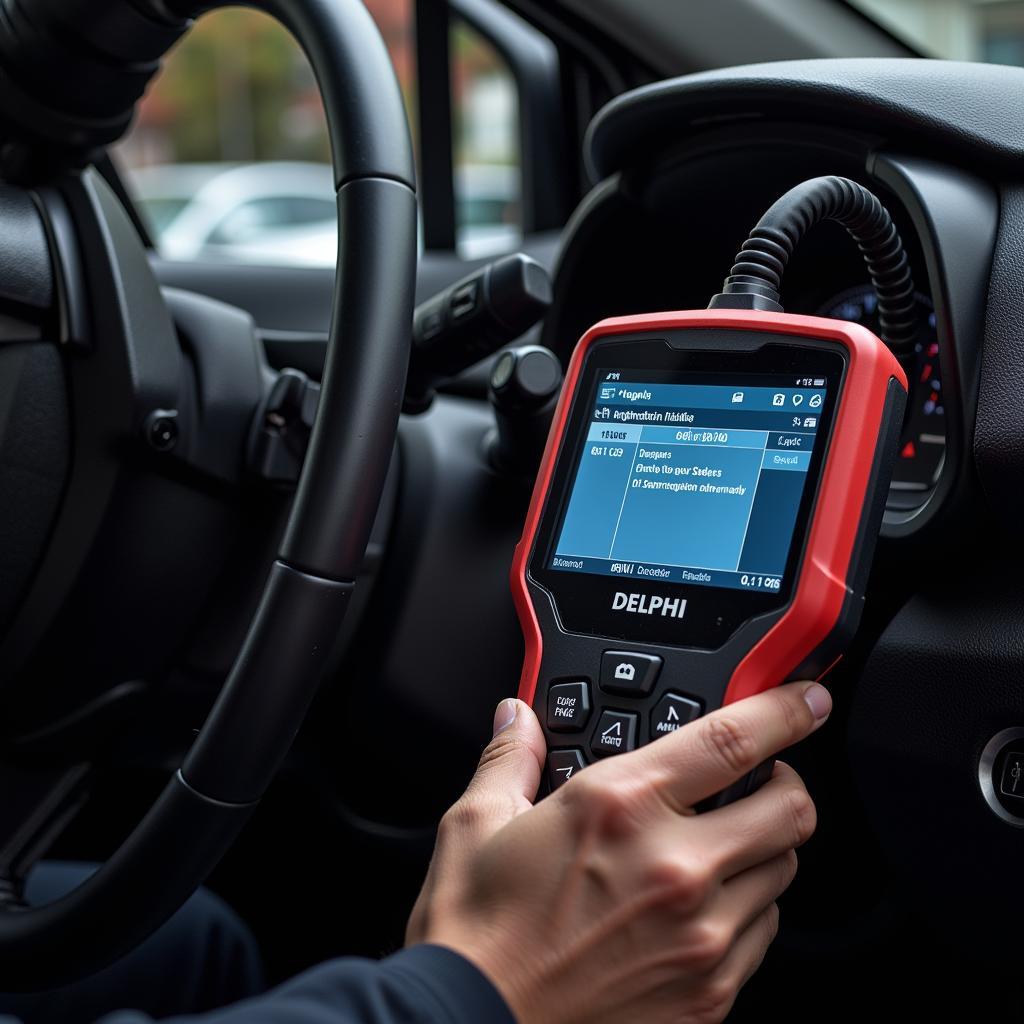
524, 387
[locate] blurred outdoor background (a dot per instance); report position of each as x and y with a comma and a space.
985, 30
229, 156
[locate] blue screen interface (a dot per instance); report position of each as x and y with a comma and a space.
695, 483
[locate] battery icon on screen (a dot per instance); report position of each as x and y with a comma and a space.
819, 382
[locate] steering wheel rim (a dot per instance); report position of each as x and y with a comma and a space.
262, 704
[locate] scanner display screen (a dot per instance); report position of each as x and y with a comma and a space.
697, 479
685, 484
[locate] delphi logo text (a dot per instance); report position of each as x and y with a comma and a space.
642, 604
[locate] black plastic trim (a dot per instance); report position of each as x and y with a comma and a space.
533, 60
958, 106
956, 217
26, 276
999, 437
434, 100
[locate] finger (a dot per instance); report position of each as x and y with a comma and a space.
707, 755
749, 950
743, 899
780, 816
508, 775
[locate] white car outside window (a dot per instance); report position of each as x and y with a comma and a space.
276, 211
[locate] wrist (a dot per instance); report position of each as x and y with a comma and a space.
454, 981
505, 970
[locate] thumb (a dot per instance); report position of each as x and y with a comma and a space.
508, 776
505, 785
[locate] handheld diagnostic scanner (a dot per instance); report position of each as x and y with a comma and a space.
705, 514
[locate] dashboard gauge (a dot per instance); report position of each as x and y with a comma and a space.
923, 443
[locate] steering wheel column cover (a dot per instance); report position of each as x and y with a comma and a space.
255, 719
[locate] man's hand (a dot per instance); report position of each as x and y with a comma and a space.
612, 900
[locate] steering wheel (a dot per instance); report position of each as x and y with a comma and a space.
106, 52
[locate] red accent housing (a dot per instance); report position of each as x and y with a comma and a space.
821, 589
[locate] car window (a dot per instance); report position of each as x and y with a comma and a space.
161, 210
229, 158
485, 142
982, 30
250, 219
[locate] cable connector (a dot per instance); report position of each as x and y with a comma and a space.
741, 295
756, 276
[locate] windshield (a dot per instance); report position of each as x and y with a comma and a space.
983, 30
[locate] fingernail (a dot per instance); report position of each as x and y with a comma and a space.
819, 700
505, 715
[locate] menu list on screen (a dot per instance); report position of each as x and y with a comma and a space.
694, 483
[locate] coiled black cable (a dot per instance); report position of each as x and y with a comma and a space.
756, 276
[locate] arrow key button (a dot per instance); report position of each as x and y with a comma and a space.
562, 766
672, 712
615, 733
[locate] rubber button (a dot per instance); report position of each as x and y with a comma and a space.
672, 712
563, 765
1012, 782
568, 706
631, 674
615, 733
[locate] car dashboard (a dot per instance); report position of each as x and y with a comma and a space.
684, 170
681, 171
662, 236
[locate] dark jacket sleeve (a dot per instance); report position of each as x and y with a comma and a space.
420, 985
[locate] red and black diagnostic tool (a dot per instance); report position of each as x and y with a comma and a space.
706, 510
